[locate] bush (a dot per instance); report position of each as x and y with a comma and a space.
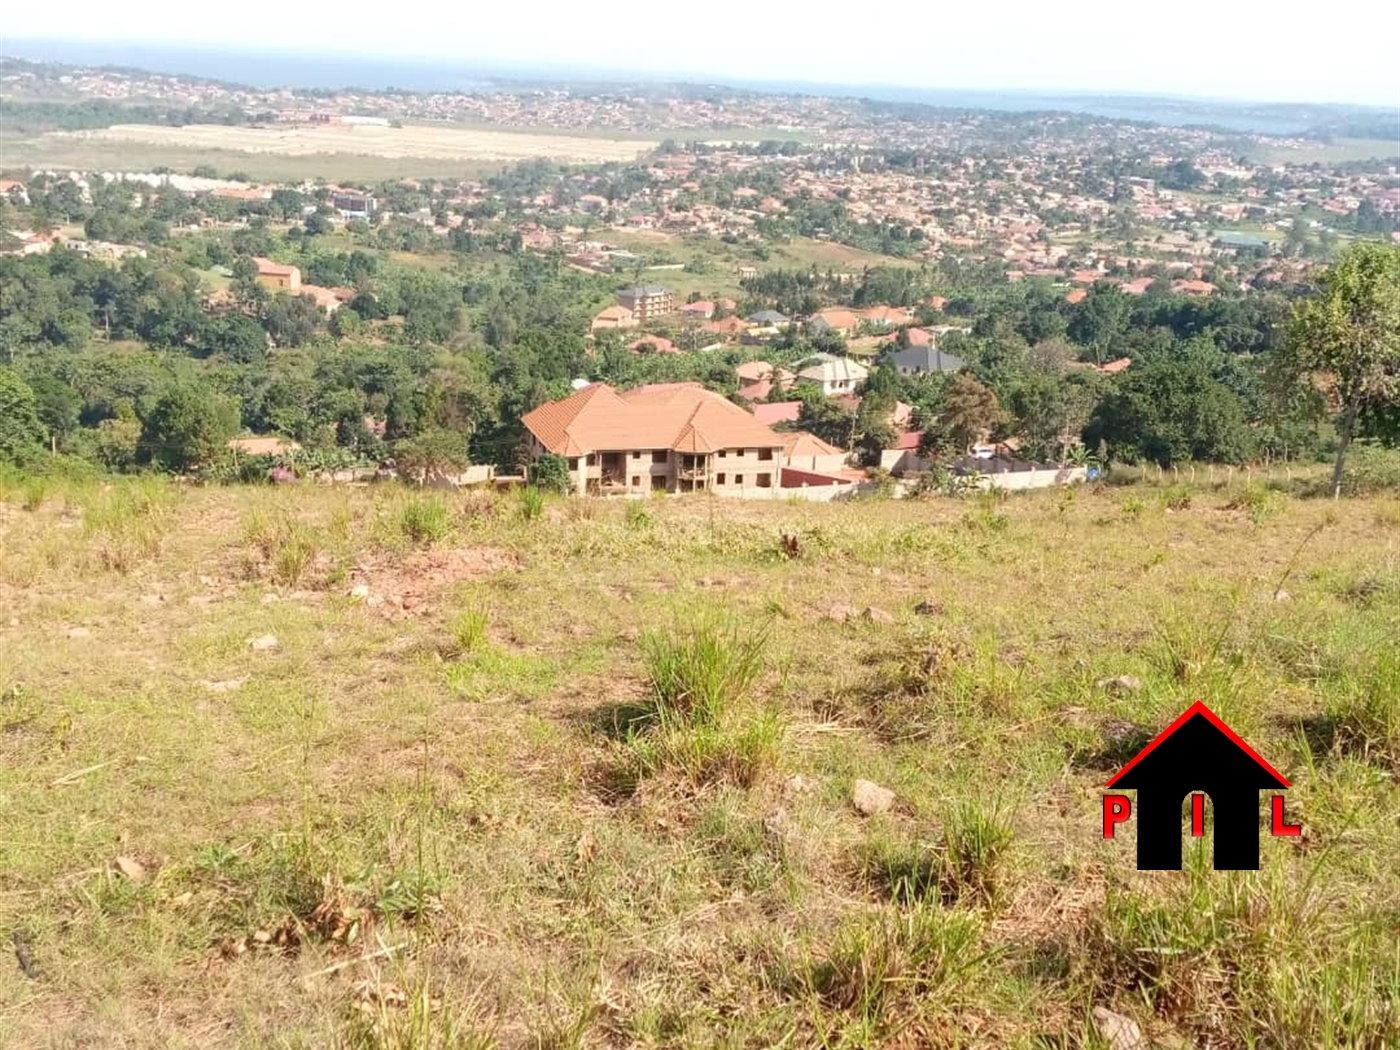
698, 671
530, 501
423, 520
285, 548
551, 473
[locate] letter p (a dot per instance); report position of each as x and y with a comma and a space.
1116, 809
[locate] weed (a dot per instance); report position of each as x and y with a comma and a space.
387, 1018
698, 670
1366, 719
977, 837
469, 633
892, 967
636, 515
423, 520
529, 503
127, 521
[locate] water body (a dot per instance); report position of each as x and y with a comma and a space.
327, 72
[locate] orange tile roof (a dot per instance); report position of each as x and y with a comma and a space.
801, 443
268, 268
683, 417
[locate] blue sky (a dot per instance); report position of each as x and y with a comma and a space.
1287, 51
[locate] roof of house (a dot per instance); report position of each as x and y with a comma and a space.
927, 359
827, 367
768, 317
683, 417
660, 342
643, 291
837, 318
770, 413
262, 446
801, 443
885, 314
268, 268
613, 313
702, 306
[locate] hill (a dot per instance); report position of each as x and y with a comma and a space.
374, 768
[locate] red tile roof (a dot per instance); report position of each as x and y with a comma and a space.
774, 412
683, 417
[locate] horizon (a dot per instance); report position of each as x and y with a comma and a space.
39, 42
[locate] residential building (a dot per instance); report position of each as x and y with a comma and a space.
921, 360
836, 321
647, 301
276, 277
668, 437
351, 205
613, 317
834, 375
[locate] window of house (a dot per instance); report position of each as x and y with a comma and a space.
636, 481
765, 481
573, 463
738, 479
723, 453
658, 481
765, 453
592, 459
660, 456
720, 479
636, 455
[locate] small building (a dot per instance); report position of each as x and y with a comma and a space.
924, 360
647, 301
834, 375
836, 321
768, 319
350, 205
277, 277
613, 317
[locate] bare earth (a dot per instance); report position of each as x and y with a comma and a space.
454, 143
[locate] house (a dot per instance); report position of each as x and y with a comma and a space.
771, 413
653, 344
647, 301
746, 273
1198, 752
27, 242
834, 375
592, 203
613, 317
351, 205
902, 457
768, 319
702, 310
1194, 287
14, 192
277, 277
263, 446
667, 437
328, 300
838, 322
922, 360
758, 379
729, 328
885, 316
1138, 286
1076, 295
806, 451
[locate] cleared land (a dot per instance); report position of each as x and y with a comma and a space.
1338, 152
412, 141
473, 797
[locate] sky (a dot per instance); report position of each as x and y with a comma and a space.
1288, 51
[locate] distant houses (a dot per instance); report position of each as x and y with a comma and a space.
833, 375
277, 277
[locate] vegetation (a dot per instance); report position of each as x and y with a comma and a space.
549, 785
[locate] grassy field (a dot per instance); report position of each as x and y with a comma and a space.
52, 151
372, 769
721, 261
1338, 152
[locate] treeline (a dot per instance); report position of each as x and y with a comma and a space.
28, 118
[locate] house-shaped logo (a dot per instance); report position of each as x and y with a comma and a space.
1196, 753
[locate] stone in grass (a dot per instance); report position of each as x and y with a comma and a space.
1123, 683
1119, 1032
263, 643
875, 615
870, 798
842, 613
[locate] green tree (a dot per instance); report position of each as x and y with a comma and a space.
1348, 334
186, 428
970, 410
21, 431
551, 473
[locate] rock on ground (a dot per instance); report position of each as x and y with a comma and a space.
1121, 1033
870, 798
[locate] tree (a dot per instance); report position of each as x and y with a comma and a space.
431, 455
969, 411
1171, 410
21, 431
186, 428
551, 473
1349, 336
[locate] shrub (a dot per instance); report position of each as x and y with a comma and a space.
551, 473
698, 671
530, 503
469, 632
422, 520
